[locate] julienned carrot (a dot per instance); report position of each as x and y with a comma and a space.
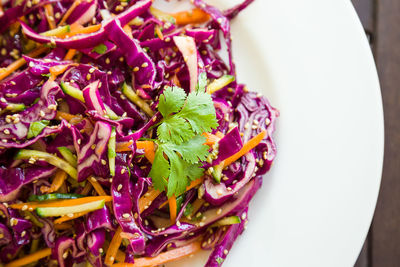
49, 12
97, 186
66, 116
113, 248
69, 11
58, 180
192, 185
78, 29
66, 218
168, 256
120, 256
5, 72
70, 54
30, 258
172, 209
252, 143
85, 191
63, 226
59, 203
147, 146
159, 32
147, 198
194, 16
128, 30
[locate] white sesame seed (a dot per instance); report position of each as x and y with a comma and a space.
145, 65
79, 141
219, 211
244, 216
123, 97
3, 51
13, 83
13, 222
31, 64
119, 187
101, 250
6, 131
122, 170
42, 114
107, 61
267, 121
126, 215
121, 59
91, 70
3, 100
70, 215
23, 233
178, 223
93, 146
4, 140
136, 69
88, 77
24, 207
104, 162
201, 224
65, 255
167, 39
226, 251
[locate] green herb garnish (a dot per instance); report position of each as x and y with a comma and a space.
35, 128
180, 142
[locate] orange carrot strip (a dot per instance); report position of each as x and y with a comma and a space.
252, 143
159, 32
68, 218
5, 72
148, 147
168, 256
49, 12
74, 30
57, 70
70, 54
86, 189
147, 198
211, 139
219, 134
172, 209
120, 257
64, 115
195, 183
113, 248
63, 226
34, 257
194, 16
97, 186
59, 179
60, 203
69, 11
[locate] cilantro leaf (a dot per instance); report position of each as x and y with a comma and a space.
100, 49
171, 100
177, 180
201, 85
199, 111
193, 150
35, 128
161, 173
174, 129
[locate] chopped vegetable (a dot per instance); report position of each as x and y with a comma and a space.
113, 248
53, 196
30, 258
68, 155
220, 83
132, 96
35, 128
61, 211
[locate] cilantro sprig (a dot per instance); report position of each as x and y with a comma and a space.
180, 142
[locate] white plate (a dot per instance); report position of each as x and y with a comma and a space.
312, 60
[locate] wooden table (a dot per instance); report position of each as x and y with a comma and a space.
381, 20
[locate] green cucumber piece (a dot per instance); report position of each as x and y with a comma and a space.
132, 96
220, 83
227, 221
50, 158
15, 107
61, 211
72, 91
57, 31
53, 196
161, 15
111, 114
35, 128
217, 172
68, 155
111, 152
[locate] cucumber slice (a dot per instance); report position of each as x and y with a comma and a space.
227, 221
53, 196
132, 96
68, 155
72, 91
111, 152
57, 31
111, 113
220, 83
50, 158
15, 107
217, 172
61, 211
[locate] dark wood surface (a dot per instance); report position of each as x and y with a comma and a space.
381, 20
